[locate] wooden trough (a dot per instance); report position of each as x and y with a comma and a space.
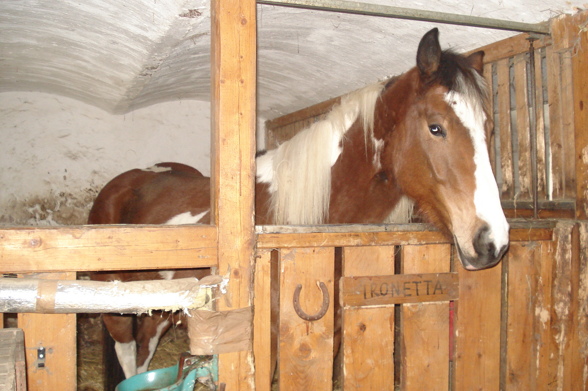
413, 319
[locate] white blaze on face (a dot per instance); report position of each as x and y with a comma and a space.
486, 196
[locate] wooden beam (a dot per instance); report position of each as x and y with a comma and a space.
511, 46
407, 234
569, 32
233, 124
91, 248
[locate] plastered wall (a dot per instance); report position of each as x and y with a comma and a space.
56, 153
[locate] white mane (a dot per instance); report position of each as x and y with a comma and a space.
299, 170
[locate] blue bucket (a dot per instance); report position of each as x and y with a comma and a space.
180, 377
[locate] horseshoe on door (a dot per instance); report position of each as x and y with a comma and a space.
321, 312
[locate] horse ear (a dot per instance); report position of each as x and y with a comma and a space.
429, 53
476, 60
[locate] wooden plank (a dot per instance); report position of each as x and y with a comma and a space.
284, 128
527, 213
262, 338
352, 239
562, 313
56, 333
305, 114
567, 105
477, 365
580, 82
91, 248
399, 289
306, 347
425, 326
523, 130
348, 239
521, 342
573, 355
510, 47
368, 333
571, 36
540, 124
581, 359
506, 162
490, 137
555, 122
233, 106
543, 307
12, 360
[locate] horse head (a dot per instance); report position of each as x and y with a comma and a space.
433, 120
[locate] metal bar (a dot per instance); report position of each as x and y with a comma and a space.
359, 8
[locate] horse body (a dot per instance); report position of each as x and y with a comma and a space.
420, 135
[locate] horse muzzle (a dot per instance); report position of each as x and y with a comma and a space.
487, 250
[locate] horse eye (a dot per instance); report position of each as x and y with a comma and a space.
437, 130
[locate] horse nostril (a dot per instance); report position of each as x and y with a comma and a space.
482, 243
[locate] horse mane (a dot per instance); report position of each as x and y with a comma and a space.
456, 73
300, 172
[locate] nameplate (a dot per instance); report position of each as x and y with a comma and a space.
398, 289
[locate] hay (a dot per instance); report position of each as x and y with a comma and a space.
90, 368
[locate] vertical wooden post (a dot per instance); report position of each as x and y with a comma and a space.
306, 346
233, 125
262, 322
477, 362
56, 333
580, 80
425, 326
568, 33
368, 333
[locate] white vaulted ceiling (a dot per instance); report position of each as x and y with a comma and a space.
122, 55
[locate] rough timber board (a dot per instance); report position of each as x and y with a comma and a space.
306, 347
57, 334
522, 344
570, 33
477, 365
233, 105
368, 333
12, 360
425, 326
262, 321
581, 359
90, 248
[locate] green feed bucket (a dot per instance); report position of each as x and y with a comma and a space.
181, 377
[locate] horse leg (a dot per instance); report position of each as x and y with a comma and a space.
149, 331
120, 328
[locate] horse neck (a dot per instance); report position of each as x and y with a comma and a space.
358, 194
364, 188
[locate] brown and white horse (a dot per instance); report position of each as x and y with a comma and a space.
420, 135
